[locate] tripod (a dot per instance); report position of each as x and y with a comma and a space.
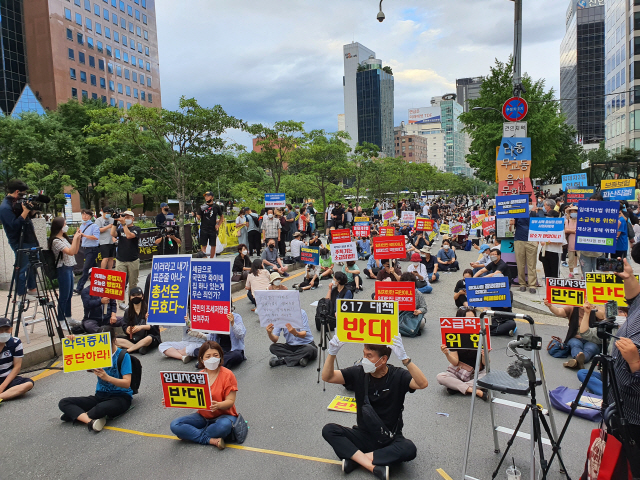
322, 347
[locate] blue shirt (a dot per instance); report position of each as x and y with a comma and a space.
236, 333
522, 230
108, 389
365, 246
90, 228
11, 223
292, 340
12, 349
622, 244
446, 255
373, 263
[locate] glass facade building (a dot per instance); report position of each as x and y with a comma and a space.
374, 92
13, 69
454, 137
468, 89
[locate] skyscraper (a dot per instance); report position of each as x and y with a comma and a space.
582, 72
454, 137
468, 89
354, 54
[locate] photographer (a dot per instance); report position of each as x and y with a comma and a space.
161, 218
107, 247
211, 218
14, 215
128, 254
90, 234
169, 237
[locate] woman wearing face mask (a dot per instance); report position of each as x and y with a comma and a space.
139, 336
64, 251
570, 224
258, 279
275, 282
241, 264
338, 289
211, 427
447, 258
418, 269
459, 291
242, 226
326, 264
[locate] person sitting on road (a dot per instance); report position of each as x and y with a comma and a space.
447, 257
211, 427
420, 272
483, 259
95, 316
364, 248
232, 344
386, 387
187, 349
418, 314
311, 278
271, 259
326, 263
460, 290
496, 267
275, 282
389, 273
338, 290
139, 337
12, 385
298, 348
113, 392
373, 267
241, 264
258, 279
430, 262
296, 245
354, 281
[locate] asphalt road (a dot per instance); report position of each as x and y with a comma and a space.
286, 409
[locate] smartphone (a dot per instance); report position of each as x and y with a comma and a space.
609, 265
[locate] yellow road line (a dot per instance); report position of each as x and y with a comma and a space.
46, 373
235, 299
237, 447
442, 473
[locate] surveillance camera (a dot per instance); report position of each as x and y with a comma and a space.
380, 16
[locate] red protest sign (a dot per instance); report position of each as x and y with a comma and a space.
107, 283
341, 236
361, 230
387, 231
186, 390
463, 332
389, 247
424, 225
402, 292
488, 224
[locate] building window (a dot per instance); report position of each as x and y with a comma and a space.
118, 54
81, 57
148, 67
146, 51
109, 50
69, 34
146, 35
131, 27
89, 42
72, 73
98, 29
72, 55
85, 94
114, 3
110, 67
135, 93
101, 64
129, 10
139, 47
132, 44
112, 86
149, 82
134, 76
94, 81
121, 6
141, 79
138, 15
79, 19
105, 14
96, 10
125, 57
127, 74
114, 18
67, 14
99, 47
123, 23
150, 98
128, 90
87, 5
133, 60
119, 88
120, 104
92, 61
118, 70
144, 3
107, 32
142, 95
116, 36
87, 23
140, 63
83, 77
138, 31
113, 102
94, 96
128, 105
74, 93
103, 83
124, 40
144, 19
104, 99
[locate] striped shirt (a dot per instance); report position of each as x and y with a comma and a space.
271, 227
13, 348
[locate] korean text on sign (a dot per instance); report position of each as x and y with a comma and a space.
512, 206
424, 224
617, 183
515, 186
444, 228
619, 194
210, 295
457, 229
408, 218
107, 283
361, 227
343, 404
368, 321
169, 289
488, 292
274, 200
387, 231
389, 247
488, 224
561, 291
512, 170
602, 287
186, 390
597, 226
86, 352
574, 180
402, 292
341, 236
310, 255
463, 332
515, 148
574, 195
344, 252
546, 229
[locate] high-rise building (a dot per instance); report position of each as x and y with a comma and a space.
454, 137
374, 89
582, 69
100, 49
431, 131
411, 147
354, 54
341, 123
468, 89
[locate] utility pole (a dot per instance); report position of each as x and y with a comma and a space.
517, 49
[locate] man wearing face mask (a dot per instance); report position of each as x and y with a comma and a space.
12, 385
496, 267
386, 387
271, 228
107, 248
211, 218
162, 216
90, 233
128, 253
271, 260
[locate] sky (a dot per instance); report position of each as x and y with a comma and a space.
267, 60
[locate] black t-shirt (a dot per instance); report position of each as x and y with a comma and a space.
315, 243
501, 266
128, 249
430, 264
386, 394
239, 263
225, 342
209, 217
467, 356
339, 213
160, 219
459, 286
169, 249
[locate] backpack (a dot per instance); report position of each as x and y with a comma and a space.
50, 263
136, 370
323, 311
410, 324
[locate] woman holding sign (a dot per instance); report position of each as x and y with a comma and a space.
211, 427
139, 337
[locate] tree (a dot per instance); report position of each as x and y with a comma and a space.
568, 157
361, 162
387, 69
118, 189
40, 177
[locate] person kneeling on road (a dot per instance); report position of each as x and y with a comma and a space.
232, 345
271, 259
298, 348
385, 387
96, 315
12, 385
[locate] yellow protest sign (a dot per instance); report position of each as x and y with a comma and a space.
361, 219
343, 404
368, 321
186, 390
602, 287
617, 183
86, 352
444, 228
432, 235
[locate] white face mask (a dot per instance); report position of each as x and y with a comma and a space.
107, 216
244, 252
65, 229
270, 215
5, 337
128, 221
493, 257
211, 363
368, 365
446, 247
415, 264
276, 282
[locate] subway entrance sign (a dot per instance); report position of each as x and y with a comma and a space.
515, 109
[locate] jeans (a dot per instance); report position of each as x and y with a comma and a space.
431, 279
90, 256
425, 289
65, 292
251, 297
578, 345
200, 430
595, 382
588, 264
24, 267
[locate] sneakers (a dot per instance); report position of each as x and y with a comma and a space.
565, 264
381, 472
348, 465
97, 425
143, 350
276, 361
523, 289
76, 291
513, 332
64, 417
295, 286
186, 359
452, 391
532, 290
300, 289
303, 362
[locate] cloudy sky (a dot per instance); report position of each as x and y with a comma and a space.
270, 60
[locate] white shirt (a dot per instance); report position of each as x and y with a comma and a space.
420, 270
295, 247
425, 210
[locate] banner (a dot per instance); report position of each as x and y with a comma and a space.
278, 307
86, 352
561, 291
618, 183
343, 404
361, 227
619, 194
512, 206
388, 214
602, 287
488, 224
424, 225
488, 292
344, 252
274, 200
515, 148
210, 295
368, 321
361, 220
310, 255
574, 195
107, 283
186, 390
407, 218
387, 231
341, 236
542, 229
444, 228
502, 228
574, 180
402, 292
169, 289
463, 332
597, 226
389, 247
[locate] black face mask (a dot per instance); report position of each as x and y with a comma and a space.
272, 247
136, 300
210, 202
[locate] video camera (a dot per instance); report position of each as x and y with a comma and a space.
32, 202
169, 226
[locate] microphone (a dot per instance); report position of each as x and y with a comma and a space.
515, 369
41, 198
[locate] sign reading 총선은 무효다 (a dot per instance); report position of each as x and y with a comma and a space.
169, 288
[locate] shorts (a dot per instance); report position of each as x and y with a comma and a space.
108, 251
208, 237
329, 223
18, 381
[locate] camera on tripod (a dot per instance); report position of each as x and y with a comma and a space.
169, 226
32, 202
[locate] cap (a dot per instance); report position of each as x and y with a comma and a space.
426, 250
415, 257
162, 205
128, 212
484, 247
297, 234
571, 207
208, 194
5, 322
136, 291
274, 276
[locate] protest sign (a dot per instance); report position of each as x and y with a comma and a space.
388, 214
169, 289
433, 235
186, 390
361, 220
574, 180
488, 224
107, 283
408, 218
574, 195
368, 321
278, 307
614, 194
463, 332
389, 247
502, 228
602, 287
361, 227
341, 236
86, 352
444, 228
457, 229
343, 404
617, 183
515, 186
402, 292
387, 231
310, 255
561, 291
344, 252
515, 148
274, 200
424, 225
512, 206
488, 292
597, 226
542, 229
512, 170
210, 295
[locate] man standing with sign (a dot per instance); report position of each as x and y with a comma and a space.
378, 441
211, 218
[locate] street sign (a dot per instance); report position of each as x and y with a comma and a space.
515, 109
584, 165
514, 129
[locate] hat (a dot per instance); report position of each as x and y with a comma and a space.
426, 250
297, 234
209, 194
415, 257
5, 322
274, 276
128, 212
446, 237
162, 205
571, 207
484, 247
135, 291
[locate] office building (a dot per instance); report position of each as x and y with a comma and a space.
341, 123
354, 54
468, 89
411, 147
374, 88
582, 69
454, 137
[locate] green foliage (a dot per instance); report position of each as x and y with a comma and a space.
387, 69
117, 189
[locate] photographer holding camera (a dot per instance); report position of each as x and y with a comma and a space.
128, 253
169, 237
107, 247
211, 218
161, 218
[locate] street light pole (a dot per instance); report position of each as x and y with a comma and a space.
517, 48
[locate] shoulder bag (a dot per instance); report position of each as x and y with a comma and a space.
376, 427
239, 430
557, 349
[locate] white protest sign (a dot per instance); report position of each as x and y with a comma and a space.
278, 307
408, 218
344, 252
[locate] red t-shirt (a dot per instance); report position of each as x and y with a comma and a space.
224, 383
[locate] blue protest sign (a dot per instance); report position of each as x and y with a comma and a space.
310, 255
574, 180
597, 226
627, 193
488, 292
169, 287
210, 295
514, 148
546, 229
512, 206
574, 195
274, 200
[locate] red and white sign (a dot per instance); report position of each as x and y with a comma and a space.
488, 224
387, 231
108, 283
341, 236
389, 247
361, 230
402, 292
463, 332
424, 225
344, 252
515, 109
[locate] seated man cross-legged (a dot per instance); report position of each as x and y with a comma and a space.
298, 348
